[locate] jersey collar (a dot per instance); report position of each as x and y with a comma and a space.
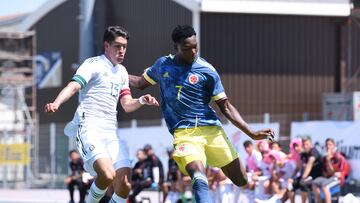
109, 62
172, 56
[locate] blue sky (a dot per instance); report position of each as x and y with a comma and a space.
9, 7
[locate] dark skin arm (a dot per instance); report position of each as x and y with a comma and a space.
138, 82
235, 118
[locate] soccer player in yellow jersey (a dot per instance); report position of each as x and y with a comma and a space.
188, 83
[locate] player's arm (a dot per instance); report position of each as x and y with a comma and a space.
138, 82
149, 77
308, 167
130, 104
63, 96
235, 118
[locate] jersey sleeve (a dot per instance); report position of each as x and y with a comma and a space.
215, 86
84, 73
125, 89
151, 74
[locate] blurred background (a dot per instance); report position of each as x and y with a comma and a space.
283, 63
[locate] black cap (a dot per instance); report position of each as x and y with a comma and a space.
147, 147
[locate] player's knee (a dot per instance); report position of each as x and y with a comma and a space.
325, 188
107, 175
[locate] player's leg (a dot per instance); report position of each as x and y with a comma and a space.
70, 187
190, 156
200, 184
121, 185
121, 162
92, 148
327, 185
222, 154
165, 189
316, 186
235, 172
82, 191
105, 175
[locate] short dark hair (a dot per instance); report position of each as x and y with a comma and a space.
182, 32
330, 140
247, 143
72, 151
112, 32
274, 143
147, 147
306, 138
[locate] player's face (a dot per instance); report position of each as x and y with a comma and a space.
275, 146
187, 50
116, 50
74, 156
330, 146
297, 148
249, 149
307, 146
140, 155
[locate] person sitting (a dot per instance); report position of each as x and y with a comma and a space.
334, 171
76, 177
157, 169
276, 146
172, 188
311, 165
152, 171
282, 171
140, 178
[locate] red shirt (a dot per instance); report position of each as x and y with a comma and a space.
337, 162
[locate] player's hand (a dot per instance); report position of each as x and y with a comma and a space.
51, 108
263, 134
149, 100
67, 180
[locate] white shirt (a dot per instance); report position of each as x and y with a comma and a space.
253, 161
287, 170
102, 84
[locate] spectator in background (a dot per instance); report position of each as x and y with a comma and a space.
311, 167
262, 146
253, 157
334, 171
265, 164
140, 178
295, 151
282, 172
276, 146
75, 178
153, 173
140, 165
157, 170
260, 179
173, 183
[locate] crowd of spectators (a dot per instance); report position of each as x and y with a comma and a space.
273, 175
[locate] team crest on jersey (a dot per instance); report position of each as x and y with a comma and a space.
193, 79
179, 150
91, 148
